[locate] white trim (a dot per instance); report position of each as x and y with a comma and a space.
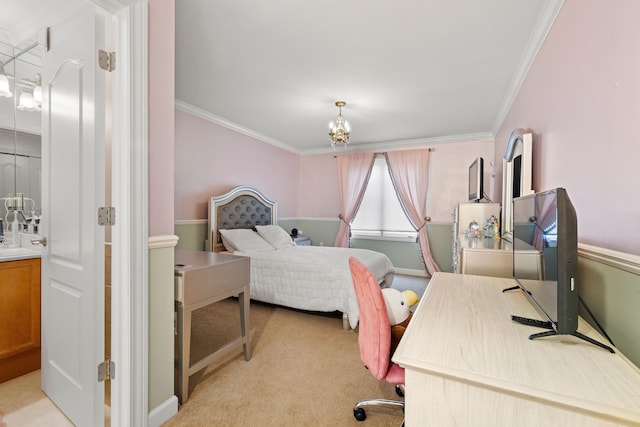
621, 260
548, 17
205, 115
190, 221
309, 219
397, 144
163, 412
204, 221
129, 393
159, 242
405, 239
405, 143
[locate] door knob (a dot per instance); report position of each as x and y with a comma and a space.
42, 241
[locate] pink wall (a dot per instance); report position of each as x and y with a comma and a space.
581, 99
448, 179
319, 186
161, 116
211, 160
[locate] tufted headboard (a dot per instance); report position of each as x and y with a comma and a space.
242, 207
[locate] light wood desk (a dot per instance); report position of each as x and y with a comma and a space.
468, 364
203, 278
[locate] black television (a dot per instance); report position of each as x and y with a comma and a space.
476, 173
547, 222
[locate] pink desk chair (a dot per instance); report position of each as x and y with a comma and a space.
374, 338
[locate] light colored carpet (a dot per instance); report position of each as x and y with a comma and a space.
305, 370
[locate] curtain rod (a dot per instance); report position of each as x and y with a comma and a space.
382, 153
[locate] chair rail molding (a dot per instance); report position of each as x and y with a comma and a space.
158, 242
621, 260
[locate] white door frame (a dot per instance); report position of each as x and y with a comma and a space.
129, 236
129, 194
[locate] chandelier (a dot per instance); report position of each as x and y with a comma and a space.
339, 132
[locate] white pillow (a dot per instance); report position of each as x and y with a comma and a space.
275, 235
243, 239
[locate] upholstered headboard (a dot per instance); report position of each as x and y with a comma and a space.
242, 207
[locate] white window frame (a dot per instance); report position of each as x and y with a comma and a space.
409, 235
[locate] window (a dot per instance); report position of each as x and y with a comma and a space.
380, 215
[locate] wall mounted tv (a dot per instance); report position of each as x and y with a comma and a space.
476, 185
547, 222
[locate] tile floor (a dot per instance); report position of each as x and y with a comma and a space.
22, 403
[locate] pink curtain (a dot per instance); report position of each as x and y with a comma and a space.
409, 173
353, 175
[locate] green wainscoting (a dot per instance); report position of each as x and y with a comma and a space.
161, 308
321, 231
613, 296
407, 256
403, 255
191, 235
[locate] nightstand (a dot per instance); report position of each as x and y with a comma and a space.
302, 240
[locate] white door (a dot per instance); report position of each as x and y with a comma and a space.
73, 187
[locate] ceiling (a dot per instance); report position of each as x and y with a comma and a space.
411, 72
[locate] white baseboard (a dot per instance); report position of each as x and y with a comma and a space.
163, 412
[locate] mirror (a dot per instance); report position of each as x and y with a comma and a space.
516, 176
20, 130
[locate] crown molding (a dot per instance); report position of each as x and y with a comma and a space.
545, 22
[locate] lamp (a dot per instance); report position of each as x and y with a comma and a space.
339, 132
5, 90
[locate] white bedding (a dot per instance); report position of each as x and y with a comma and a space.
315, 278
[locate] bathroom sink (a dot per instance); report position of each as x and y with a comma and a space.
8, 254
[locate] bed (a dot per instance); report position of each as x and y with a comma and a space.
313, 278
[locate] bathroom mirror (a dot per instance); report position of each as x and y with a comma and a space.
516, 176
20, 126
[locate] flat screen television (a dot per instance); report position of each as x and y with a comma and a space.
476, 173
547, 222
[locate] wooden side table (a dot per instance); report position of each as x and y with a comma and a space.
203, 278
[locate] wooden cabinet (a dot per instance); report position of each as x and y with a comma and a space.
19, 317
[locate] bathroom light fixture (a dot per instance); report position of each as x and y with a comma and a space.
31, 96
37, 91
27, 103
340, 131
5, 90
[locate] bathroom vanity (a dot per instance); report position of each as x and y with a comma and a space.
19, 311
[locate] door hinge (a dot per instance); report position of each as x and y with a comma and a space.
107, 60
106, 215
106, 370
